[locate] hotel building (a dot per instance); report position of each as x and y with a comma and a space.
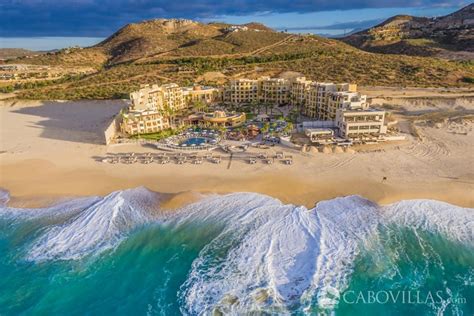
299, 91
152, 107
340, 104
274, 91
341, 100
195, 94
316, 99
243, 91
144, 122
360, 123
264, 90
217, 119
168, 96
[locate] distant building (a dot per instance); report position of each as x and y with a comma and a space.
237, 28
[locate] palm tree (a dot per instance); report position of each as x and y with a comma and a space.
200, 106
255, 105
265, 127
288, 128
170, 112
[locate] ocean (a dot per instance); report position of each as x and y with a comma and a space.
234, 254
47, 43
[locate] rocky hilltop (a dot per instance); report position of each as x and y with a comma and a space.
159, 36
450, 36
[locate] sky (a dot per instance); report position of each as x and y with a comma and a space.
51, 24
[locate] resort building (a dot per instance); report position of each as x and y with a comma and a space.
320, 135
322, 97
274, 90
341, 100
243, 91
143, 122
217, 119
361, 123
299, 91
199, 94
316, 99
264, 89
154, 108
173, 97
164, 97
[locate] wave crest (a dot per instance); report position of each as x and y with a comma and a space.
264, 255
97, 228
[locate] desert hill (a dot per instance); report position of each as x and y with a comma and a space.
450, 36
186, 51
9, 53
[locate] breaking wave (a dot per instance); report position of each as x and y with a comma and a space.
263, 256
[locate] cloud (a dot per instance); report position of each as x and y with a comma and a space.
102, 17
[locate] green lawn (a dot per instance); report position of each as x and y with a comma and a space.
156, 136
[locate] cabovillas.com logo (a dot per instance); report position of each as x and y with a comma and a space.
400, 297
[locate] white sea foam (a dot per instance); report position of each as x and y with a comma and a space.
345, 225
99, 227
56, 213
4, 197
278, 254
452, 221
265, 255
272, 256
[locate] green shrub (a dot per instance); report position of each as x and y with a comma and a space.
468, 79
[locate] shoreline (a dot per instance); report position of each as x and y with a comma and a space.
59, 183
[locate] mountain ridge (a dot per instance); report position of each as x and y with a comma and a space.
450, 36
188, 52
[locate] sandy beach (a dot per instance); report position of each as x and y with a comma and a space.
52, 150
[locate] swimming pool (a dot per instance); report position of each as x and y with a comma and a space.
194, 141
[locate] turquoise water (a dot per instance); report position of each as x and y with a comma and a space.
196, 141
235, 254
431, 274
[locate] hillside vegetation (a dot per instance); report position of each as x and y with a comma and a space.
450, 36
186, 51
9, 53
